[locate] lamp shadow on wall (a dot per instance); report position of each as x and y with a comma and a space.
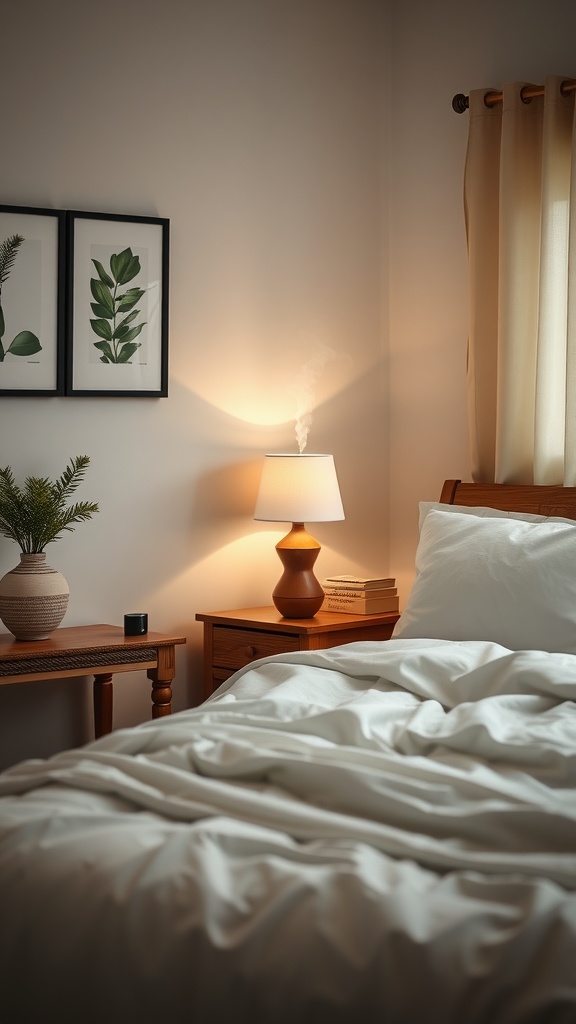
226, 495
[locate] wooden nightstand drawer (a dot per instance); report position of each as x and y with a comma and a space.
234, 648
235, 638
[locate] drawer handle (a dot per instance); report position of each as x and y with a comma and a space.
251, 651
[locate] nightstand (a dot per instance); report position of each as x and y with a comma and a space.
232, 639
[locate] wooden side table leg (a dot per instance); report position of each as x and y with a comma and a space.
208, 671
103, 693
161, 677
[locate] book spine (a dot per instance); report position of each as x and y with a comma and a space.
337, 604
361, 600
356, 595
361, 581
360, 588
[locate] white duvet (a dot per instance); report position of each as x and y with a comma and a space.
374, 832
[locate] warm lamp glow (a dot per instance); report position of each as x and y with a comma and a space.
297, 489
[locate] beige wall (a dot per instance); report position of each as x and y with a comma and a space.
256, 126
310, 163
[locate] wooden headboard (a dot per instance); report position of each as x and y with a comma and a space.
542, 500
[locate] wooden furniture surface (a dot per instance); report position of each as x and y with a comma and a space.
98, 650
536, 498
233, 639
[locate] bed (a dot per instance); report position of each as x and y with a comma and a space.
380, 831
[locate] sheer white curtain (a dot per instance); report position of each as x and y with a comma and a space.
521, 229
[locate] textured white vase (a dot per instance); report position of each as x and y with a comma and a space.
33, 598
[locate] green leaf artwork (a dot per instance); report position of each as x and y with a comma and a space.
25, 343
117, 332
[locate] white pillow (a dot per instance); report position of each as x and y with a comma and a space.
506, 580
487, 513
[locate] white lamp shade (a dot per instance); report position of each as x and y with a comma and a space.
299, 489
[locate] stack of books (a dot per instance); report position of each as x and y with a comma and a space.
356, 594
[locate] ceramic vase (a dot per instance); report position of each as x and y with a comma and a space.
33, 598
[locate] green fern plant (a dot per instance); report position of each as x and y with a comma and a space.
25, 343
36, 514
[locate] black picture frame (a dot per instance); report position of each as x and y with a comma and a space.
32, 304
116, 340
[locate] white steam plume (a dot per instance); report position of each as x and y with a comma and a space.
303, 390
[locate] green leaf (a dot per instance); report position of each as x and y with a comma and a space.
120, 333
124, 266
131, 271
101, 311
102, 328
130, 334
102, 294
25, 344
102, 274
128, 319
105, 348
126, 352
126, 333
128, 299
119, 262
2, 324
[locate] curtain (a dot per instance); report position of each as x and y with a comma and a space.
520, 174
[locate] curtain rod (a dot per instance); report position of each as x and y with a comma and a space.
460, 102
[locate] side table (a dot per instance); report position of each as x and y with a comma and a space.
100, 651
232, 639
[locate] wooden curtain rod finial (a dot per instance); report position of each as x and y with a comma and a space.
460, 103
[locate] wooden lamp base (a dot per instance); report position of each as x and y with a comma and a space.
298, 594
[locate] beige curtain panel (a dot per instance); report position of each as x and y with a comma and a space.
520, 175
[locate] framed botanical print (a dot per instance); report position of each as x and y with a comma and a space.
117, 305
31, 301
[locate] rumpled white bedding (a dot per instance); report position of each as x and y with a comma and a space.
374, 832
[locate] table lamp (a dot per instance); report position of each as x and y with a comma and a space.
297, 489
